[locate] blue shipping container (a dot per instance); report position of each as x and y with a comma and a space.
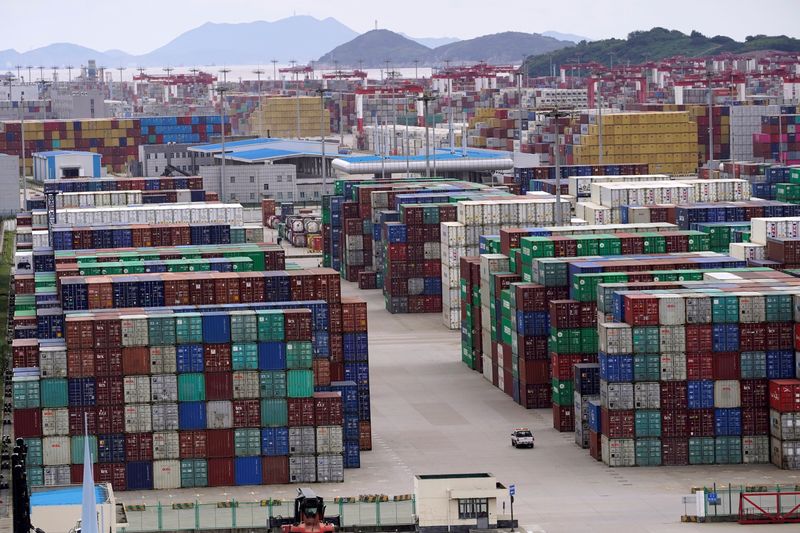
139, 475
189, 358
247, 470
275, 441
191, 415
216, 328
701, 394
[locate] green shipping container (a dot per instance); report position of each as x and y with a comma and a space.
754, 365
300, 383
270, 326
194, 473
646, 367
779, 308
537, 247
653, 243
701, 450
274, 412
247, 442
648, 423
645, 339
34, 457
26, 394
191, 388
728, 450
244, 356
189, 328
648, 452
725, 309
563, 392
467, 357
54, 392
161, 330
244, 326
299, 355
35, 476
76, 449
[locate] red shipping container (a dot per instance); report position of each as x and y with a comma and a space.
322, 372
337, 371
532, 348
563, 364
76, 474
618, 424
674, 451
219, 386
220, 472
534, 372
297, 324
25, 353
219, 443
700, 422
508, 382
754, 393
108, 362
246, 413
27, 423
193, 444
537, 395
139, 447
699, 337
76, 420
674, 395
365, 435
563, 418
113, 473
784, 395
699, 365
300, 411
107, 333
595, 451
641, 310
111, 418
109, 391
505, 356
752, 337
726, 365
328, 409
217, 357
755, 421
275, 470
80, 363
136, 361
674, 423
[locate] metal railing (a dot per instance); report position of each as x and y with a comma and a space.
722, 502
235, 514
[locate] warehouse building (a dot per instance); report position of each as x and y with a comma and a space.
284, 170
57, 164
154, 159
9, 182
59, 508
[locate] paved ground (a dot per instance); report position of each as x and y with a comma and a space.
432, 415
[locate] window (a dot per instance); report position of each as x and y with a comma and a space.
233, 196
252, 196
316, 194
290, 195
288, 178
266, 186
280, 178
280, 195
252, 179
156, 169
302, 194
473, 508
233, 179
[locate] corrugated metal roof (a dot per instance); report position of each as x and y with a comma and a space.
66, 496
439, 155
233, 145
52, 153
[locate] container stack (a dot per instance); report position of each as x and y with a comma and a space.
524, 176
777, 140
784, 417
587, 397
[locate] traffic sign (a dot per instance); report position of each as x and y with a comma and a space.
512, 490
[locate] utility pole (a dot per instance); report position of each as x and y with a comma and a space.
425, 99
22, 131
555, 114
274, 69
69, 69
321, 92
600, 128
221, 90
710, 116
416, 66
258, 72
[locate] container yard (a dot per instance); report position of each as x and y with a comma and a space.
382, 275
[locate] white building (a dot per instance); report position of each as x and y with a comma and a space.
9, 184
457, 502
154, 158
59, 164
59, 509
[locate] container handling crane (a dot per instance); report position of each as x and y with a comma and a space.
309, 516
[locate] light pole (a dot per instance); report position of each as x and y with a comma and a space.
258, 72
321, 92
555, 114
425, 99
274, 69
22, 132
221, 90
69, 69
600, 129
710, 116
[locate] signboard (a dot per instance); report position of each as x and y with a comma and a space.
512, 490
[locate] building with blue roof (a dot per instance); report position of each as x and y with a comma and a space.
465, 163
58, 164
58, 508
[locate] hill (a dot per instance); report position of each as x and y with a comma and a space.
375, 47
565, 36
506, 47
432, 42
655, 44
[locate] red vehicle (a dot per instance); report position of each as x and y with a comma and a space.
309, 516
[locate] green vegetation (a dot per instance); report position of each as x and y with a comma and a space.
655, 44
5, 281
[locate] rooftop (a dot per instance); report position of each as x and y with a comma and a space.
66, 496
469, 160
63, 152
268, 149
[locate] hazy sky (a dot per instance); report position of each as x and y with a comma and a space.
138, 26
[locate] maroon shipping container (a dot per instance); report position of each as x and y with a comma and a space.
246, 413
536, 395
219, 443
217, 357
328, 409
563, 418
784, 395
25, 353
618, 424
220, 472
113, 473
107, 333
508, 380
700, 422
563, 364
674, 451
322, 372
76, 474
752, 337
192, 444
674, 395
354, 316
699, 337
139, 447
595, 450
565, 314
300, 411
641, 310
337, 371
532, 348
780, 336
726, 365
136, 361
76, 420
365, 435
80, 363
534, 372
297, 324
755, 421
111, 418
754, 393
219, 386
108, 362
109, 391
27, 423
674, 423
699, 365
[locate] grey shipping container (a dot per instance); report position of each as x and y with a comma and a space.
219, 414
616, 396
302, 469
162, 360
166, 445
618, 452
302, 440
755, 449
164, 388
330, 468
647, 395
784, 426
329, 439
55, 476
165, 416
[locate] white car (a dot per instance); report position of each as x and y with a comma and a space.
522, 438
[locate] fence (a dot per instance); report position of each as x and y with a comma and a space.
235, 514
722, 502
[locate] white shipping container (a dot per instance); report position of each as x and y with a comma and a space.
672, 338
53, 361
219, 415
164, 388
134, 330
615, 338
673, 366
163, 360
56, 451
166, 445
166, 474
329, 439
747, 251
245, 384
165, 416
618, 452
138, 418
671, 309
137, 389
727, 394
55, 421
